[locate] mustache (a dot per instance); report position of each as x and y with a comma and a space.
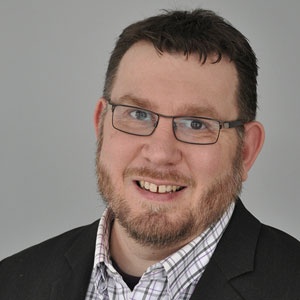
169, 175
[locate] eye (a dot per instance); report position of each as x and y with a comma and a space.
197, 124
140, 114
194, 124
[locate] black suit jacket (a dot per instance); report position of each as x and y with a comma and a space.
251, 262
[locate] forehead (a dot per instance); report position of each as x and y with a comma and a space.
174, 83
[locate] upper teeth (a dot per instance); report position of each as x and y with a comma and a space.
154, 188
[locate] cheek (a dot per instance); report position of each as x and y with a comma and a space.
117, 151
210, 163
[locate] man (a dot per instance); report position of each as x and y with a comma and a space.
177, 136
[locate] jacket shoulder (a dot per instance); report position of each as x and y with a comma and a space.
276, 237
279, 251
46, 248
45, 260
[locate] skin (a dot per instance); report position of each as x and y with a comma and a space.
150, 226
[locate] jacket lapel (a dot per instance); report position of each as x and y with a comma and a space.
233, 258
214, 286
79, 259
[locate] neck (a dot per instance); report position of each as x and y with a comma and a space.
132, 257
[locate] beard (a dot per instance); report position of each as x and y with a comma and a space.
152, 225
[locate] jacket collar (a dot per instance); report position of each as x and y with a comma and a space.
233, 257
79, 258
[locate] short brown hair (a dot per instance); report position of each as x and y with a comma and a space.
199, 31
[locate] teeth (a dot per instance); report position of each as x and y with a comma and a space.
169, 188
152, 187
162, 189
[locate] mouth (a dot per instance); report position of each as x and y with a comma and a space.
160, 189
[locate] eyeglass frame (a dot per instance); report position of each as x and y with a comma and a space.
222, 124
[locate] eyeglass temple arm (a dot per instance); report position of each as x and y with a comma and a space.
232, 124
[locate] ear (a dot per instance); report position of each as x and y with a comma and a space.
100, 106
253, 142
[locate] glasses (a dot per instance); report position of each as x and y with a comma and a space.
188, 129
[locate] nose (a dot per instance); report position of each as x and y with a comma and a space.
162, 148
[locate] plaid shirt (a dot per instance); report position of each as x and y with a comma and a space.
175, 277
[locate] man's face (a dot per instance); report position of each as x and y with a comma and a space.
204, 179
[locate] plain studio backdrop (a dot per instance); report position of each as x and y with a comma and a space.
53, 58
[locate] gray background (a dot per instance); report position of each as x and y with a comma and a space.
53, 57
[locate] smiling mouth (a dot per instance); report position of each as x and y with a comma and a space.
161, 189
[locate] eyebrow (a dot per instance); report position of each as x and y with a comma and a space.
200, 111
187, 109
136, 101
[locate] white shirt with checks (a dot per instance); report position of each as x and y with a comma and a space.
175, 277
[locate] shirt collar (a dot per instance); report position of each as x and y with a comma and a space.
102, 253
182, 267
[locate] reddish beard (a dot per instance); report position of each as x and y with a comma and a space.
153, 226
